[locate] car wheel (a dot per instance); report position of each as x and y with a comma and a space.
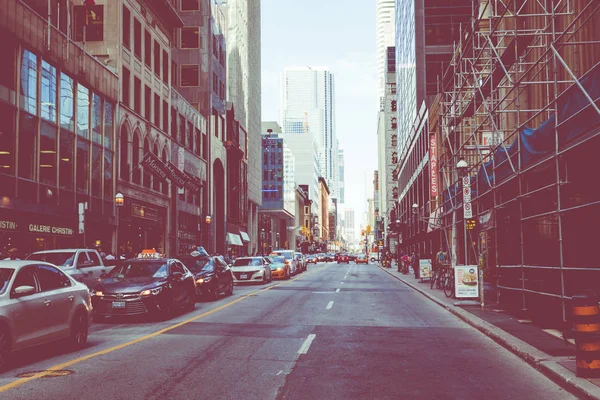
4, 347
191, 303
214, 293
229, 290
166, 312
79, 330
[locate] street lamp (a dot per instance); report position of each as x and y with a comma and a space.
119, 203
461, 168
207, 220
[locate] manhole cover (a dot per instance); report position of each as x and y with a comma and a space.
47, 374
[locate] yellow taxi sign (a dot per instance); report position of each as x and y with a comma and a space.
149, 253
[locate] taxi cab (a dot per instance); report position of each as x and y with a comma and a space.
149, 284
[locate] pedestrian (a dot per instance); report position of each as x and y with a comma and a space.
415, 263
102, 253
110, 256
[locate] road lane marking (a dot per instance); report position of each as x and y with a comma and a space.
21, 381
337, 290
306, 345
329, 305
279, 373
322, 292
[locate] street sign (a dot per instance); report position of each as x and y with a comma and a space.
471, 224
468, 211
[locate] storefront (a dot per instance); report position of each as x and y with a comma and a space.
141, 226
187, 232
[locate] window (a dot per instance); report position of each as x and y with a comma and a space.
7, 139
48, 93
177, 268
147, 102
165, 71
96, 118
108, 174
174, 70
165, 122
29, 82
48, 153
190, 38
51, 278
83, 166
27, 145
148, 48
156, 58
137, 95
97, 171
124, 155
25, 277
190, 5
126, 27
157, 110
83, 111
190, 75
156, 180
125, 86
67, 143
92, 18
8, 68
135, 158
137, 38
165, 184
173, 123
108, 125
94, 257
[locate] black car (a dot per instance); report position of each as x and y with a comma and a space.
213, 276
156, 286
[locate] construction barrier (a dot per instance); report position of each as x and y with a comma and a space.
586, 322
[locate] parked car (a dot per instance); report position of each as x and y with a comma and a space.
301, 262
362, 259
343, 258
156, 286
279, 269
39, 303
85, 265
213, 276
251, 269
290, 259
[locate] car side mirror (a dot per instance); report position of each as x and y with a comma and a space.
24, 291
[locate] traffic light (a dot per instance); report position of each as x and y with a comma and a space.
363, 232
368, 229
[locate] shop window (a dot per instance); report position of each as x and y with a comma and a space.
67, 143
147, 48
83, 111
29, 82
27, 146
190, 5
8, 68
124, 156
48, 93
48, 154
83, 166
137, 95
155, 179
137, 38
96, 118
147, 175
108, 174
190, 38
156, 58
164, 184
7, 139
126, 27
147, 102
108, 125
157, 110
125, 87
190, 76
135, 158
165, 71
97, 171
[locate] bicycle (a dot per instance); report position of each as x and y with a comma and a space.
448, 281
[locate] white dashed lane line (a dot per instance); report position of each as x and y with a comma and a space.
306, 345
329, 305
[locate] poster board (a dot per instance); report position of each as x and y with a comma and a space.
425, 270
466, 281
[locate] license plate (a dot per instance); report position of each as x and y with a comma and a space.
243, 276
118, 304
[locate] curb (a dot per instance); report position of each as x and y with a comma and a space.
534, 357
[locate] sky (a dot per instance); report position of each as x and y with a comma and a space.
339, 34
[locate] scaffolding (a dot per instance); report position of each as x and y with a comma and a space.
519, 104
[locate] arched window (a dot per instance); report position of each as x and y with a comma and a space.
135, 158
165, 184
155, 180
147, 175
123, 155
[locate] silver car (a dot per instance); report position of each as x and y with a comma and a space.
39, 303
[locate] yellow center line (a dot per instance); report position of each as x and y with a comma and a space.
41, 374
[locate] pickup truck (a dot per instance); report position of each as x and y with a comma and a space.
84, 265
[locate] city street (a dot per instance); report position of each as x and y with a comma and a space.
334, 332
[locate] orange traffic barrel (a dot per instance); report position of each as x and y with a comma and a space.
586, 322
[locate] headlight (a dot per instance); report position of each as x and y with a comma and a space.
279, 269
203, 280
149, 292
97, 293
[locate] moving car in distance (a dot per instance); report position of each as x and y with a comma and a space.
311, 259
279, 269
362, 259
321, 257
150, 284
251, 269
213, 276
39, 303
290, 259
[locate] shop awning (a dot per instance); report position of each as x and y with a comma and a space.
234, 240
245, 236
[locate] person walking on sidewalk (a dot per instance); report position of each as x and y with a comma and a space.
415, 263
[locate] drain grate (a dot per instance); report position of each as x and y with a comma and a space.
47, 374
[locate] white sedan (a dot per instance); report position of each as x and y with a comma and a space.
251, 269
38, 304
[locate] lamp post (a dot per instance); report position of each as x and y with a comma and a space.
262, 241
462, 167
119, 203
398, 229
207, 220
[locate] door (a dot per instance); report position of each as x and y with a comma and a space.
223, 275
27, 312
57, 289
180, 292
82, 264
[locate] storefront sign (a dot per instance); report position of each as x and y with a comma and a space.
433, 167
8, 225
186, 236
466, 281
425, 268
156, 167
140, 211
193, 184
53, 230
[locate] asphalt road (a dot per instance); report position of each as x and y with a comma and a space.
334, 332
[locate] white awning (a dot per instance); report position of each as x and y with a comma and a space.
234, 239
245, 236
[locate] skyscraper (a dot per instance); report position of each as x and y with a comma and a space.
349, 225
341, 179
386, 29
308, 109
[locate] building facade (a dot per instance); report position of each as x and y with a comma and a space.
323, 218
385, 37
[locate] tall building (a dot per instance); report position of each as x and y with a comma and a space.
308, 108
349, 227
385, 36
341, 177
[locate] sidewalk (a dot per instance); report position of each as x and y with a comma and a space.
543, 349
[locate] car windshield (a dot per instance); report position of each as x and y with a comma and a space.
287, 255
245, 262
140, 269
61, 259
5, 275
197, 264
277, 259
